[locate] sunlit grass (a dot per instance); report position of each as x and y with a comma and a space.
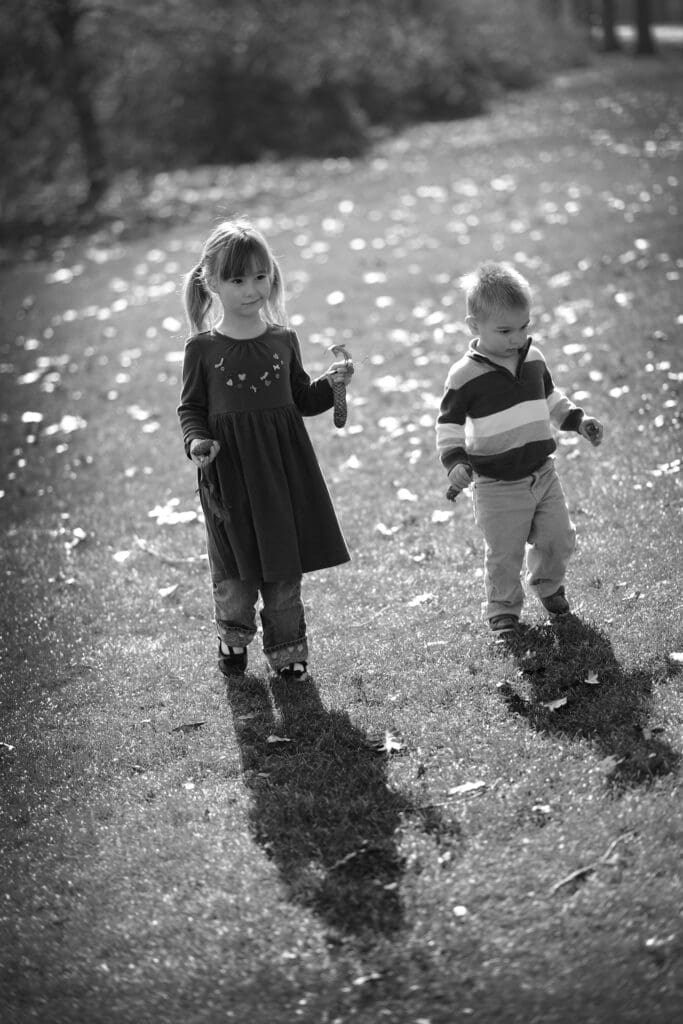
182, 850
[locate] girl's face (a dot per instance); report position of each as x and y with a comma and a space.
502, 332
244, 297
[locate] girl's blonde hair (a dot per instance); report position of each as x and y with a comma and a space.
231, 250
492, 286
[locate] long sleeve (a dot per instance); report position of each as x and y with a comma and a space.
310, 397
193, 408
563, 413
450, 428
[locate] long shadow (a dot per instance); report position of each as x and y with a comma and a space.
321, 806
571, 660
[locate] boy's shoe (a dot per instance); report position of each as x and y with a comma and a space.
233, 663
296, 671
557, 603
504, 625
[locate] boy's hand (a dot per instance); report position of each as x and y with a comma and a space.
460, 476
203, 451
591, 429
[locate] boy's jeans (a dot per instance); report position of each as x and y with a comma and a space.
517, 516
282, 617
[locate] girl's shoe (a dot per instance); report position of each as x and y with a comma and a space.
557, 603
296, 671
233, 663
504, 625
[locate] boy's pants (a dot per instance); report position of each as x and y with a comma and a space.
282, 617
517, 516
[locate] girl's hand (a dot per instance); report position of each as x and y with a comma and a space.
340, 372
203, 451
591, 429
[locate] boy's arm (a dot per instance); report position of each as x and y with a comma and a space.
567, 416
450, 429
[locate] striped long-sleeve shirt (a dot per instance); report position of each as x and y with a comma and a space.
499, 422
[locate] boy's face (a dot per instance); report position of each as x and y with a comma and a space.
502, 332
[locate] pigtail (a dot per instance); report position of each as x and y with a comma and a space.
197, 299
276, 311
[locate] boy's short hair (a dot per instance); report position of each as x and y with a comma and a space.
495, 285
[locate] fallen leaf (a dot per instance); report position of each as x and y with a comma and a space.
188, 727
386, 531
390, 743
277, 739
553, 705
676, 657
168, 591
592, 679
609, 763
420, 599
465, 788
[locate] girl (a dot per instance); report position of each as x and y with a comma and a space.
269, 517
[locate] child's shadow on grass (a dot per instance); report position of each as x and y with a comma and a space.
321, 806
612, 708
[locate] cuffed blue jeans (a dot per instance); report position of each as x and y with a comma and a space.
282, 617
517, 518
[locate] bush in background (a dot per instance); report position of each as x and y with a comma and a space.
170, 84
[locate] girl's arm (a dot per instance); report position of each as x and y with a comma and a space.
310, 397
193, 408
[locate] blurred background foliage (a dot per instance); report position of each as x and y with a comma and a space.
91, 88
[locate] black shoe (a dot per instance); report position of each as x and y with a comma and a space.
557, 603
234, 663
504, 625
298, 671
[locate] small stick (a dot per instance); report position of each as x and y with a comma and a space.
589, 868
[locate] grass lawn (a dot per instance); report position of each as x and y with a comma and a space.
438, 829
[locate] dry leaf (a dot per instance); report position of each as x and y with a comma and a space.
592, 679
465, 788
391, 743
277, 739
187, 727
553, 705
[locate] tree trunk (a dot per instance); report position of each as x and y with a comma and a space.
610, 39
64, 17
645, 44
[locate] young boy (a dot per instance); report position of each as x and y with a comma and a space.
495, 425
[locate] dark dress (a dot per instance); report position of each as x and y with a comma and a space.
268, 512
